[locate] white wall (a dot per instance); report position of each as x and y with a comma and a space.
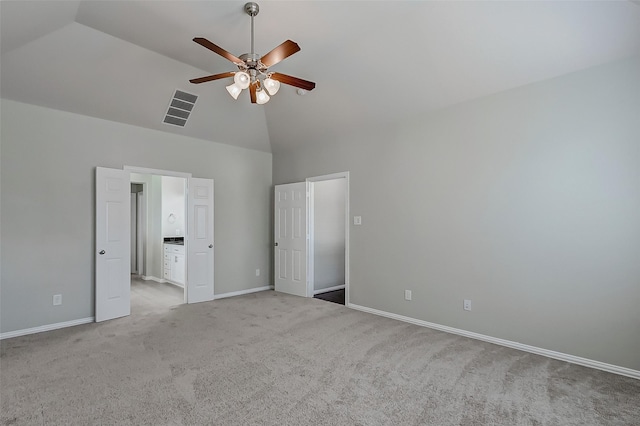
48, 195
329, 233
173, 203
527, 202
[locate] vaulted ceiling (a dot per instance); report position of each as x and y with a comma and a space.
373, 62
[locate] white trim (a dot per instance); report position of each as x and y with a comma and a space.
328, 289
146, 171
48, 327
623, 371
140, 224
311, 238
332, 176
152, 278
241, 292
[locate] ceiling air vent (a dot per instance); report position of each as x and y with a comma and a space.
180, 108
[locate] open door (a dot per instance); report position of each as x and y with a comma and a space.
291, 239
200, 241
113, 235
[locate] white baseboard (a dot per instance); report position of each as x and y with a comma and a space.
585, 362
48, 327
152, 278
328, 289
241, 292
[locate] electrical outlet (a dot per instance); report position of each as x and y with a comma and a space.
257, 272
57, 299
466, 305
407, 295
357, 220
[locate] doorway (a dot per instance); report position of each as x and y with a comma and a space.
113, 239
328, 219
311, 237
158, 228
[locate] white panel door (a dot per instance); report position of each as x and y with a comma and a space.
291, 238
113, 235
200, 241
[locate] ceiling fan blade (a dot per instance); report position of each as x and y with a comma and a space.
219, 50
212, 77
280, 53
252, 91
293, 81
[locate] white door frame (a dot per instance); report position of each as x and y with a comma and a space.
141, 199
134, 231
142, 226
310, 265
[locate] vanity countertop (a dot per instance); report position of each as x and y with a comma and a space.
179, 241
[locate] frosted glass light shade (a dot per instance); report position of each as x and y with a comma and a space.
242, 79
271, 85
234, 90
262, 97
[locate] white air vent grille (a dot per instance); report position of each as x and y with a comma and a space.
180, 108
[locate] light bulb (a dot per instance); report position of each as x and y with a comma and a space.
262, 97
234, 90
242, 79
271, 85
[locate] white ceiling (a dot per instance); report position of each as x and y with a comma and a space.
122, 60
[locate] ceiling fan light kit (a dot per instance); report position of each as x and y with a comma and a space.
253, 71
234, 90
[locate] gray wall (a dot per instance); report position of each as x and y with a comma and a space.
527, 202
329, 233
47, 210
147, 207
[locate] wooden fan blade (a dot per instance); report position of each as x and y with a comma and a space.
280, 53
219, 50
293, 81
252, 91
212, 77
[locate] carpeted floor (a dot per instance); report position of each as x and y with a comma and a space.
273, 359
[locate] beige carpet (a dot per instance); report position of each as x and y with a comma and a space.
273, 359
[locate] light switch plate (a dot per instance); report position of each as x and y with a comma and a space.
357, 220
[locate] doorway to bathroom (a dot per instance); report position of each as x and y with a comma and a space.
158, 228
113, 238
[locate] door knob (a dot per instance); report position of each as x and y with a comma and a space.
276, 244
102, 252
210, 245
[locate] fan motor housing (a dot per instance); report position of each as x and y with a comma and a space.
251, 59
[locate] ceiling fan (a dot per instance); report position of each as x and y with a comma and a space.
253, 71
